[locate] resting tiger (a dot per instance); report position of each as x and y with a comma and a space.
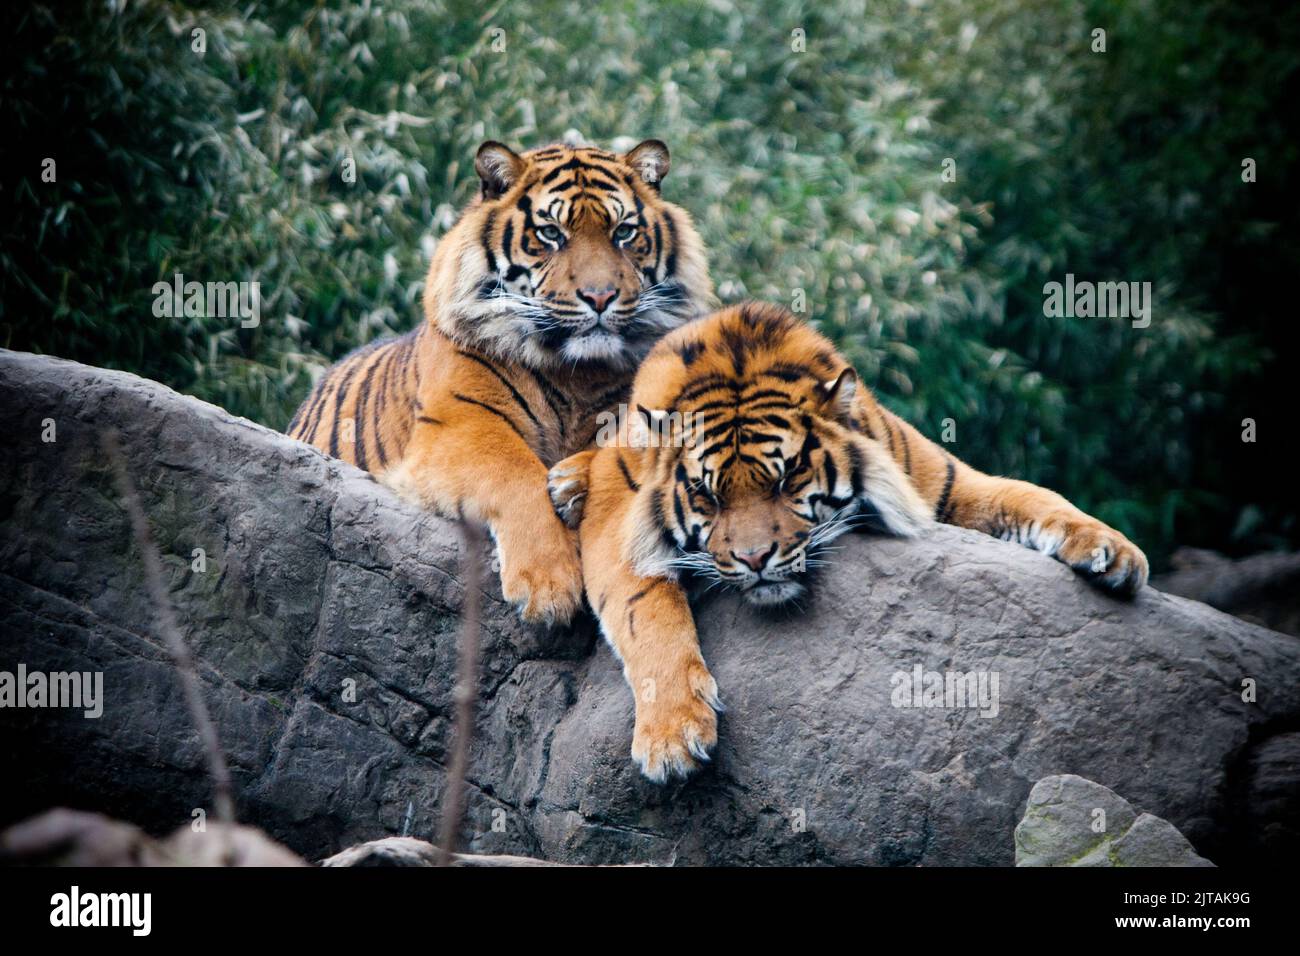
776, 450
540, 301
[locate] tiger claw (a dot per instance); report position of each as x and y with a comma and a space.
567, 485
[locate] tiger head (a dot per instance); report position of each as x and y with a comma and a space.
755, 458
568, 255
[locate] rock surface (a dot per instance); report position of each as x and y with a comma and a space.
1262, 588
1070, 821
323, 613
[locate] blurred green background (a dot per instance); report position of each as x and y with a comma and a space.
816, 169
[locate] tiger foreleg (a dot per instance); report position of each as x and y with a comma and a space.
648, 622
1010, 509
475, 467
1041, 519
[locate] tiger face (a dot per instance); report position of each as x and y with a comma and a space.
767, 482
571, 256
772, 468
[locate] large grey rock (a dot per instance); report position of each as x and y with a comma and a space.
1071, 821
316, 577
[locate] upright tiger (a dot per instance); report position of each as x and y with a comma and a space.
774, 450
556, 280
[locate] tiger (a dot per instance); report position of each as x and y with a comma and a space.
541, 300
753, 445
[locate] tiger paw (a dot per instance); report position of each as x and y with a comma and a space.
1105, 557
567, 483
677, 724
541, 573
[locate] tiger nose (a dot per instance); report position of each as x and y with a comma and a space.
755, 559
599, 300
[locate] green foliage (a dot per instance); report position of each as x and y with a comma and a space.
816, 170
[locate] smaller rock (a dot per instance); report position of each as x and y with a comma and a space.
408, 851
1070, 821
225, 845
63, 837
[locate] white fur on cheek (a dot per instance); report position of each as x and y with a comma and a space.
645, 548
891, 492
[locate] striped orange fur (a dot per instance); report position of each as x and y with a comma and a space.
540, 301
785, 451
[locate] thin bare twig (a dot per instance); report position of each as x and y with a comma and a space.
453, 804
222, 791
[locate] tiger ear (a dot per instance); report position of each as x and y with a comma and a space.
837, 395
650, 159
498, 167
653, 421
